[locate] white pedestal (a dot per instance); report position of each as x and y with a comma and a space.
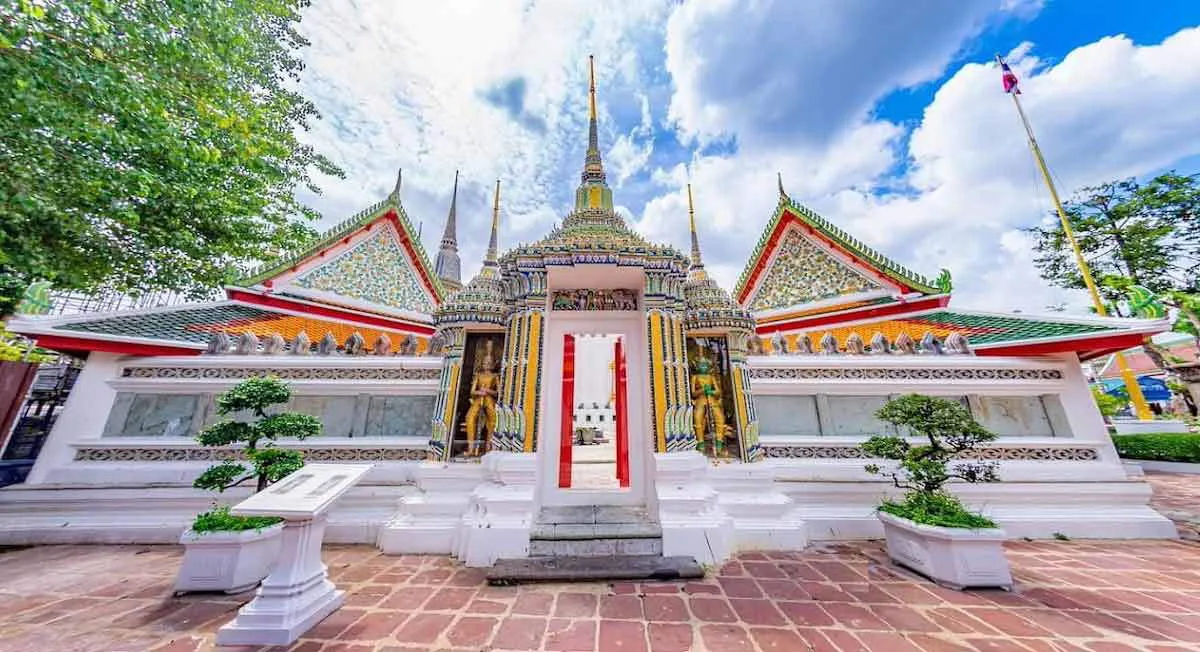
693, 523
293, 598
1138, 427
297, 594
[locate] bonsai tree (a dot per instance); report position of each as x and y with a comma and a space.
251, 398
925, 468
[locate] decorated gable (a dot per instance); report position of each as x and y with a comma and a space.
803, 259
803, 272
375, 270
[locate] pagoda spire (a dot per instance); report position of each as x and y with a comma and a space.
696, 269
448, 266
490, 260
593, 191
697, 263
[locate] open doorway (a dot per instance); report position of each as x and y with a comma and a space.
594, 437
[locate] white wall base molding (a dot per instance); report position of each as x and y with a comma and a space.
428, 522
1097, 510
39, 514
1165, 467
1149, 426
689, 511
764, 518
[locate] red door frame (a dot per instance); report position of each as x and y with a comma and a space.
619, 379
567, 435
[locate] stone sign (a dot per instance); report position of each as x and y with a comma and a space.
297, 594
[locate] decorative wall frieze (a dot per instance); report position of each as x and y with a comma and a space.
411, 453
900, 373
283, 373
997, 453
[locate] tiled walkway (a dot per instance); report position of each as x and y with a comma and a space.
1071, 596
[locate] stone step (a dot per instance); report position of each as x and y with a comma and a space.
506, 572
565, 531
594, 547
593, 514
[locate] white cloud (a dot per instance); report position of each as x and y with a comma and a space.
1109, 109
495, 88
805, 71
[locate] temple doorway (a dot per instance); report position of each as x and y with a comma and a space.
593, 445
594, 451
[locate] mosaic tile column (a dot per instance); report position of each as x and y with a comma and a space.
521, 370
667, 351
447, 396
743, 397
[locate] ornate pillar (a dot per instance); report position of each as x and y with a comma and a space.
454, 344
745, 417
667, 351
521, 370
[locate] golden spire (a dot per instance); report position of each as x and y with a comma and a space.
593, 189
490, 259
591, 87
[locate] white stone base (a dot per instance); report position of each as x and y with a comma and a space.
476, 512
227, 561
1139, 427
954, 557
1038, 510
1165, 467
294, 597
764, 518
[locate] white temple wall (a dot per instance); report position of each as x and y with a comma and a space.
1058, 468
119, 462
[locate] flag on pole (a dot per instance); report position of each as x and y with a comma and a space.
1009, 79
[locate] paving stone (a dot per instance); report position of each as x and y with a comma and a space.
1075, 596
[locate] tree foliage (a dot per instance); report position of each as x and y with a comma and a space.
149, 144
924, 469
251, 398
1132, 233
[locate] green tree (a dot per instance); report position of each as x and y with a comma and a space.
1108, 404
1145, 232
149, 144
253, 397
1132, 233
950, 434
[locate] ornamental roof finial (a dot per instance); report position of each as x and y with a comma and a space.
490, 259
697, 263
399, 178
782, 193
593, 192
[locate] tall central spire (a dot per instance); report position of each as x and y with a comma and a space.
593, 192
490, 258
447, 266
696, 271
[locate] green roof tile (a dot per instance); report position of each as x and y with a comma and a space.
996, 329
186, 324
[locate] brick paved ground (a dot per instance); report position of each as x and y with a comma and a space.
1071, 596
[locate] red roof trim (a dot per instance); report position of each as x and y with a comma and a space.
893, 310
788, 218
329, 312
1086, 347
81, 345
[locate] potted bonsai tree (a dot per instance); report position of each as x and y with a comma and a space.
223, 552
929, 530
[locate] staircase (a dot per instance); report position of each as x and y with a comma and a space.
594, 542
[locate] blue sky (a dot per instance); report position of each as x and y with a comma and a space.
890, 123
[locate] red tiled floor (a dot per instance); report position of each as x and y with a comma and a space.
1070, 596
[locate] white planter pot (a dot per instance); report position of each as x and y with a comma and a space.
227, 561
954, 557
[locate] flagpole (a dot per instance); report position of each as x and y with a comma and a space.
1141, 409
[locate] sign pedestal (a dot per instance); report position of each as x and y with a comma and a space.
297, 594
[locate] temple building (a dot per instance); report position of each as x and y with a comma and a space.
734, 418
